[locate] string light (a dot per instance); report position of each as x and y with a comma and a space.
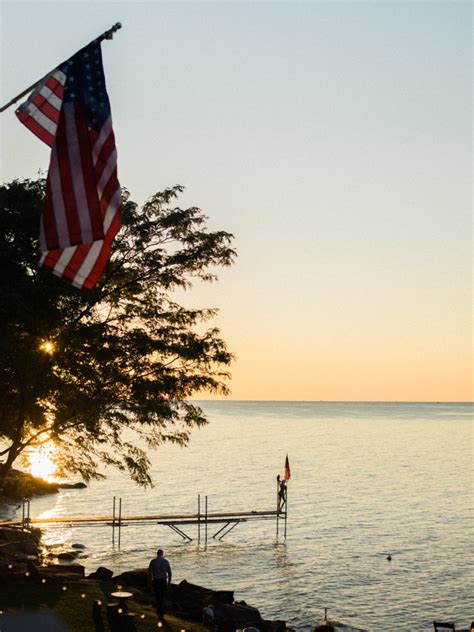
142, 616
120, 610
43, 581
160, 625
27, 574
99, 603
64, 588
10, 566
83, 596
47, 346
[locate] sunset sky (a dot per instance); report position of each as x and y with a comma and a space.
332, 138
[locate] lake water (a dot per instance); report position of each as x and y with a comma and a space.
367, 480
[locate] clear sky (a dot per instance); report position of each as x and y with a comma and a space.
332, 138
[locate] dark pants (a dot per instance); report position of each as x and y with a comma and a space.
159, 588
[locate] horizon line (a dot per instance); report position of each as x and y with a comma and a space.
333, 401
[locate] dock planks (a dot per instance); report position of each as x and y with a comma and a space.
159, 518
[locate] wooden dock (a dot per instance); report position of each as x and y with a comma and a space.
157, 518
176, 522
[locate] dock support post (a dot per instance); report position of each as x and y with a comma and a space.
205, 540
199, 519
119, 521
286, 507
25, 514
278, 504
113, 523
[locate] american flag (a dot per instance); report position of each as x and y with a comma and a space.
287, 472
69, 110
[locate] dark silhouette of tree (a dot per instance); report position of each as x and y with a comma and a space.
104, 374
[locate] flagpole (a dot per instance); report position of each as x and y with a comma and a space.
105, 35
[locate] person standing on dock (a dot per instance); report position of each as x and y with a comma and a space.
281, 493
159, 575
282, 490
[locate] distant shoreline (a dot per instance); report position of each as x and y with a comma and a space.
329, 401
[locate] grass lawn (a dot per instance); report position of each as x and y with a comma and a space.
74, 606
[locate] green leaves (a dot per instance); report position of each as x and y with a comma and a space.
127, 357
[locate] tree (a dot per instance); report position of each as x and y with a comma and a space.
106, 372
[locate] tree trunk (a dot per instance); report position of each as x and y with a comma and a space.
12, 454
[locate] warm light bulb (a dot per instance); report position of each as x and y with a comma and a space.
142, 616
47, 346
99, 603
120, 610
43, 581
160, 625
119, 587
64, 588
83, 596
27, 574
10, 566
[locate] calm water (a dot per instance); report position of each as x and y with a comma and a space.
367, 480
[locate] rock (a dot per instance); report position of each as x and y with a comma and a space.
79, 485
10, 548
29, 547
68, 555
188, 600
15, 534
102, 573
232, 616
224, 596
78, 545
135, 579
18, 547
62, 572
275, 626
18, 485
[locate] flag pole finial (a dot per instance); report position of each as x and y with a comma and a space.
107, 35
110, 33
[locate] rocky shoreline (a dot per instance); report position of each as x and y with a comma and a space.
22, 559
19, 485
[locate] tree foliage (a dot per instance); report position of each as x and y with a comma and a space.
102, 372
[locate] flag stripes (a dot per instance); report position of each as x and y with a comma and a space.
40, 112
70, 112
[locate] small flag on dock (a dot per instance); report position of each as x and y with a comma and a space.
287, 473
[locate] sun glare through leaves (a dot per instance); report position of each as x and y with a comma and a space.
41, 462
